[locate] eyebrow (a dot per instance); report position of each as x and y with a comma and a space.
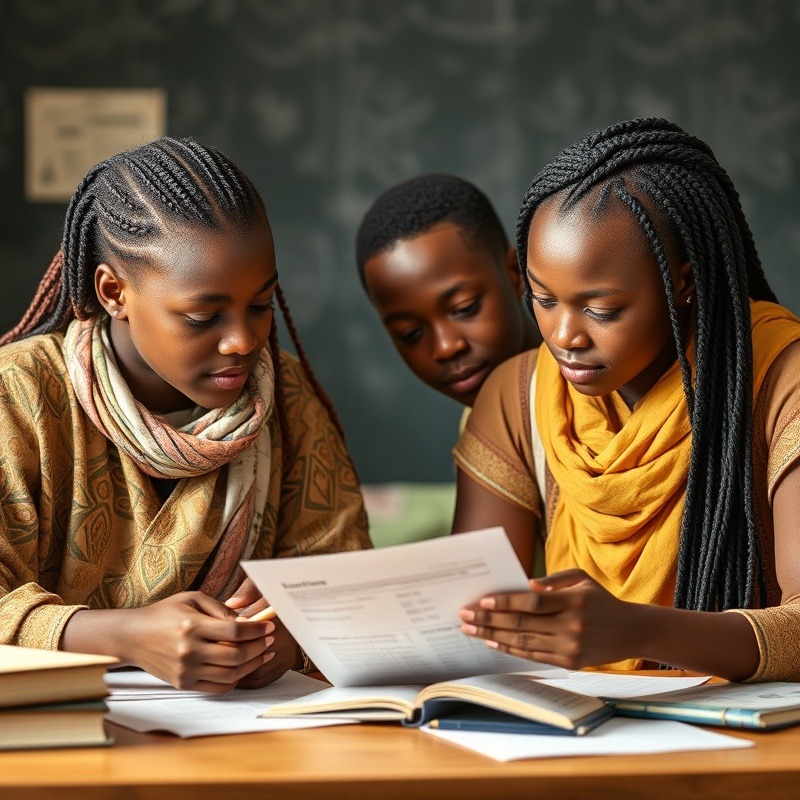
589, 295
226, 298
446, 295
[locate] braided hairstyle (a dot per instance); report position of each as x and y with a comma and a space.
413, 207
683, 199
124, 207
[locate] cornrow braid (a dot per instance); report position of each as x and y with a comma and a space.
677, 192
123, 207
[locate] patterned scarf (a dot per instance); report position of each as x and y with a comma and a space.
237, 436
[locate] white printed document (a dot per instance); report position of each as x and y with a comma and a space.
189, 714
390, 615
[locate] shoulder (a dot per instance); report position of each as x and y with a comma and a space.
495, 448
778, 409
34, 370
303, 406
508, 387
47, 349
295, 382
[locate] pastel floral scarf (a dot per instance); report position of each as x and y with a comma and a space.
236, 436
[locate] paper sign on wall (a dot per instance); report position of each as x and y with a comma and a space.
68, 131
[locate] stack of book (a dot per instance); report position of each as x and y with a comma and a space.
49, 698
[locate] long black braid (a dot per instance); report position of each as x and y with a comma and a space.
123, 207
678, 193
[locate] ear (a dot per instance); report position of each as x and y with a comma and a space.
109, 287
511, 266
684, 284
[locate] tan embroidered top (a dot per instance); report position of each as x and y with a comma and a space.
81, 525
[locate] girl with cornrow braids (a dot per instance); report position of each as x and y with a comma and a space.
654, 441
153, 434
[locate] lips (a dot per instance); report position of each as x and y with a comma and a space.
576, 372
231, 378
467, 380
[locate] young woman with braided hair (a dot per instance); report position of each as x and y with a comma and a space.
661, 462
153, 433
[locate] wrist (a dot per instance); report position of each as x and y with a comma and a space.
101, 631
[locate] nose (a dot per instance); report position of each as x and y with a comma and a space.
448, 342
239, 338
569, 333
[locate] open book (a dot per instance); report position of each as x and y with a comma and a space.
510, 702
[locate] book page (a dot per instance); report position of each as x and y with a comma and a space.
390, 615
352, 698
616, 737
519, 693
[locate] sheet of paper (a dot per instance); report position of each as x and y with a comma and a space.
599, 684
207, 715
616, 737
755, 696
390, 615
135, 684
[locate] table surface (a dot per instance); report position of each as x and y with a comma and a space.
386, 762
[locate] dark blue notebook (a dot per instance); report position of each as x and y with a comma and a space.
488, 720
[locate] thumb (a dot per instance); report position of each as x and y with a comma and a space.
213, 608
558, 580
245, 596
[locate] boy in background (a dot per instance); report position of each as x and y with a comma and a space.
436, 263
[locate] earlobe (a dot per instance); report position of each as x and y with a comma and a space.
684, 284
512, 268
109, 288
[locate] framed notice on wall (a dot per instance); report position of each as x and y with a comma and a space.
68, 131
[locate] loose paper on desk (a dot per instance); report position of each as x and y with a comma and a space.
189, 714
616, 737
390, 615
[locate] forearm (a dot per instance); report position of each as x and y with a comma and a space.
105, 632
708, 642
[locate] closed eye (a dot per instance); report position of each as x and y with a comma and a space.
263, 308
204, 322
468, 310
409, 337
544, 302
604, 316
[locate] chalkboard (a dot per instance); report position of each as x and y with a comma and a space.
325, 103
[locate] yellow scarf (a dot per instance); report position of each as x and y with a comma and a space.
622, 474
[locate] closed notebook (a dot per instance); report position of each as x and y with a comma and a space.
29, 675
77, 724
515, 699
758, 706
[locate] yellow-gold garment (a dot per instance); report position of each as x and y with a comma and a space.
634, 508
622, 474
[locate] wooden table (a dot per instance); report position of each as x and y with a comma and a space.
385, 763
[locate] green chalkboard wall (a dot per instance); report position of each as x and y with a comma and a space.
328, 102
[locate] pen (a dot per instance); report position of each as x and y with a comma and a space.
262, 616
